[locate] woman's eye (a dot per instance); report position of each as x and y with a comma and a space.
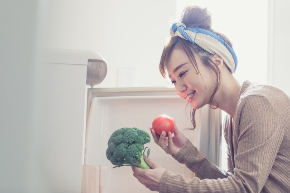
181, 74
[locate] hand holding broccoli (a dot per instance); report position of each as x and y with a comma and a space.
126, 147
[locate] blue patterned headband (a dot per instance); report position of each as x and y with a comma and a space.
209, 41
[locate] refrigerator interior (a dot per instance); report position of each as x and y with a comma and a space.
111, 109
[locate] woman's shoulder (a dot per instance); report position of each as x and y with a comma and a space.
272, 93
251, 93
250, 88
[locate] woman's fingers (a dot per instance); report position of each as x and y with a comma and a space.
172, 148
164, 143
150, 162
176, 130
150, 178
170, 142
154, 135
161, 140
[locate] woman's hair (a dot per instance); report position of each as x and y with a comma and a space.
193, 17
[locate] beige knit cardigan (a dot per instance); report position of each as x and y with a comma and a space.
258, 139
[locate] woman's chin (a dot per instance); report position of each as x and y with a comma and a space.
195, 106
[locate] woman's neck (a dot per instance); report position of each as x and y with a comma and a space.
228, 94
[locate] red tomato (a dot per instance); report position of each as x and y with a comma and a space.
163, 123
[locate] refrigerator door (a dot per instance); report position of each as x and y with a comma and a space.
61, 106
60, 122
111, 109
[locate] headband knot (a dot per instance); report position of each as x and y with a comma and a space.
176, 26
178, 29
208, 40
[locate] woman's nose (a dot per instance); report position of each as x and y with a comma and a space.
180, 87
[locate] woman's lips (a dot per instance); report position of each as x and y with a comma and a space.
189, 97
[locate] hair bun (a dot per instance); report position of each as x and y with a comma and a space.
194, 16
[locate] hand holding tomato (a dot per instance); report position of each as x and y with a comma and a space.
171, 144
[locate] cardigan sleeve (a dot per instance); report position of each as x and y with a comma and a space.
259, 136
198, 163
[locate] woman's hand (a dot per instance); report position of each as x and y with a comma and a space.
149, 177
171, 144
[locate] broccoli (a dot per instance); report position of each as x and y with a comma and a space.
126, 147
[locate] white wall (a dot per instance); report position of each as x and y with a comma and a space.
128, 34
280, 65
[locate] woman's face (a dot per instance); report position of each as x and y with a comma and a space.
195, 88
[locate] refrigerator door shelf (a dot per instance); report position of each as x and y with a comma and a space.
111, 109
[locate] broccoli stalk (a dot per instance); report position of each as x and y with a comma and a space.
142, 164
126, 147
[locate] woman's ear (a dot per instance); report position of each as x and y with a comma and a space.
218, 60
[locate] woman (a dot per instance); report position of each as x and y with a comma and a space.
200, 63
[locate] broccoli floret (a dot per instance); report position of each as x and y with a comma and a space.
126, 147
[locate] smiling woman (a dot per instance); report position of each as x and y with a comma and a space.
200, 63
